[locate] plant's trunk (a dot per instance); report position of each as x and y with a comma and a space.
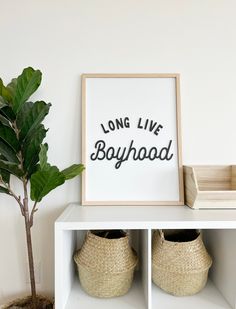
30, 254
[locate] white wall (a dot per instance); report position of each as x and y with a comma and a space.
67, 38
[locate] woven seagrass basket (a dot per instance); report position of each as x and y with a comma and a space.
180, 262
106, 265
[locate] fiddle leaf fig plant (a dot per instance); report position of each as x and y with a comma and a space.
24, 155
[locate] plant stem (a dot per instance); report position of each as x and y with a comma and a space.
28, 223
29, 247
34, 209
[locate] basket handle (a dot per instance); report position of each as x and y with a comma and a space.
162, 236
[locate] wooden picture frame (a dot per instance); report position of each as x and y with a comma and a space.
131, 140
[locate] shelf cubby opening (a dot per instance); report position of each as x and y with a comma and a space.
74, 296
220, 290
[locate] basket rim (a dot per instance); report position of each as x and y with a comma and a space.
91, 234
180, 243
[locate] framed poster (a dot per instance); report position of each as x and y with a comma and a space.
131, 145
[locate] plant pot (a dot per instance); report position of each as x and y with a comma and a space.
25, 302
106, 264
180, 262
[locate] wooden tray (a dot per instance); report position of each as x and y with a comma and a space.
209, 186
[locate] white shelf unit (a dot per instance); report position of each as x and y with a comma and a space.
219, 230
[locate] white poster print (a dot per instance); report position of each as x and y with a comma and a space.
131, 140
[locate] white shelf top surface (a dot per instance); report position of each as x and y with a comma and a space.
208, 298
76, 216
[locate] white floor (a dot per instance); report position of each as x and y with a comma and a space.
208, 298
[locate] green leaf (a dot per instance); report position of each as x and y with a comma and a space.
4, 121
5, 93
4, 173
31, 149
11, 87
8, 113
25, 85
43, 159
4, 190
2, 102
42, 182
11, 168
30, 116
8, 152
9, 137
73, 171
